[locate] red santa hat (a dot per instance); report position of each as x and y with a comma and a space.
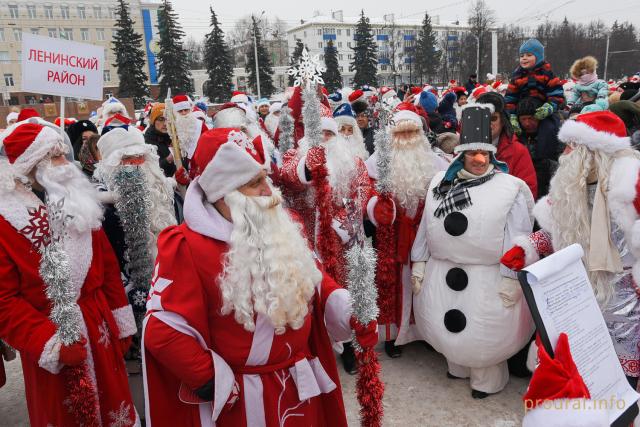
557, 396
453, 83
181, 102
27, 113
238, 96
68, 121
357, 95
479, 90
28, 144
198, 113
598, 130
228, 160
634, 79
407, 111
387, 92
230, 115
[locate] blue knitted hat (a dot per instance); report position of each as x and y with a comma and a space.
428, 101
344, 110
535, 48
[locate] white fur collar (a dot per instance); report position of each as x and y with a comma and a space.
202, 217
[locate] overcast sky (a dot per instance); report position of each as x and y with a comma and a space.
194, 15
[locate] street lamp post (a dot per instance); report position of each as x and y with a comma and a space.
255, 51
477, 55
606, 56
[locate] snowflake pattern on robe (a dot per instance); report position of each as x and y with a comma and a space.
38, 229
121, 417
105, 334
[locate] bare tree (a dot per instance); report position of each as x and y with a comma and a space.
480, 18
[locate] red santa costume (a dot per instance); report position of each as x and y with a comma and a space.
348, 181
237, 332
104, 318
188, 126
412, 166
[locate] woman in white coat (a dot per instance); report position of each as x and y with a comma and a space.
466, 305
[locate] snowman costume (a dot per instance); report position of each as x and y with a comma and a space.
466, 305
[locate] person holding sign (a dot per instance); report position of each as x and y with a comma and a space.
593, 201
465, 305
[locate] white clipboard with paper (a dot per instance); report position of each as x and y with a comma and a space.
561, 299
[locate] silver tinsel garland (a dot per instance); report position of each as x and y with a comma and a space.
286, 126
311, 116
55, 271
383, 161
361, 259
133, 206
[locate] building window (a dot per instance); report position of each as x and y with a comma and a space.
112, 13
67, 34
348, 44
383, 67
321, 57
106, 75
1, 34
339, 44
81, 12
305, 34
35, 31
319, 45
53, 32
100, 34
97, 12
349, 57
31, 10
319, 31
4, 57
64, 12
339, 31
8, 80
84, 34
340, 56
48, 12
13, 11
17, 34
348, 32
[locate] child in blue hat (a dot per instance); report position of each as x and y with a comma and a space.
533, 78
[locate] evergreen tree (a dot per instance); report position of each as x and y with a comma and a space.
173, 70
332, 78
218, 62
130, 61
264, 64
365, 60
427, 57
295, 58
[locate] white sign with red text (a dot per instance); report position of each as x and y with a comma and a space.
61, 67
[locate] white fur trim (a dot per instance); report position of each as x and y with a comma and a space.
125, 321
583, 134
230, 168
50, 357
542, 213
388, 94
230, 118
111, 108
371, 205
489, 107
407, 115
337, 314
41, 146
120, 142
184, 105
329, 123
240, 98
472, 146
532, 357
300, 170
275, 107
530, 253
341, 232
567, 413
346, 120
621, 193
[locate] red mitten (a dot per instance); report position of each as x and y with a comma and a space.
513, 258
74, 354
367, 336
316, 159
384, 211
125, 343
182, 176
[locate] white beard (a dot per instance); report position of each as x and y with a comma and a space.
411, 171
81, 201
269, 268
271, 123
188, 129
356, 145
341, 166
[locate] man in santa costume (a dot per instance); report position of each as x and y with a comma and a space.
349, 129
466, 305
188, 126
240, 315
62, 303
412, 166
593, 201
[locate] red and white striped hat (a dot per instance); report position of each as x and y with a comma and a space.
28, 144
181, 102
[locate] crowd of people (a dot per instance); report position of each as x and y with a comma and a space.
214, 260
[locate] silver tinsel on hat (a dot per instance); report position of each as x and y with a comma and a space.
55, 271
311, 116
286, 126
383, 161
133, 206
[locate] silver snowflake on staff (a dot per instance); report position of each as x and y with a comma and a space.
309, 70
121, 417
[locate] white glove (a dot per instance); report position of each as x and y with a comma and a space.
510, 292
417, 275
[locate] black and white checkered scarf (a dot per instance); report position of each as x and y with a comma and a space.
455, 194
